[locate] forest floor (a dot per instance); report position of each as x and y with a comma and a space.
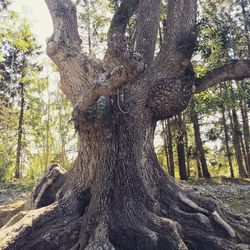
13, 192
233, 192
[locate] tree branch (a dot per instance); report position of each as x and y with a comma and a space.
64, 48
63, 13
132, 67
121, 17
133, 62
147, 28
235, 70
118, 25
180, 38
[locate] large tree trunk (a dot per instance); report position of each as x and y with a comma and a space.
116, 196
110, 202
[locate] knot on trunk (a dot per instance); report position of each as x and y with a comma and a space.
170, 96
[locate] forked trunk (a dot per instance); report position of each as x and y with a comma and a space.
116, 196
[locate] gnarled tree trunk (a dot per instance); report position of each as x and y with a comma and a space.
116, 196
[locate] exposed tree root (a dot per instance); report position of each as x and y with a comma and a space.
8, 211
188, 220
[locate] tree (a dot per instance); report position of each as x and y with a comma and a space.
198, 140
181, 148
18, 47
116, 195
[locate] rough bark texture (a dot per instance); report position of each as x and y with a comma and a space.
116, 196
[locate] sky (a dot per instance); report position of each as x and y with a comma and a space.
36, 12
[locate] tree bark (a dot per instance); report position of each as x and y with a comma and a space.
116, 195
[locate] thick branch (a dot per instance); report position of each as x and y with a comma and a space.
133, 62
180, 37
121, 17
236, 70
64, 48
63, 13
132, 67
147, 27
118, 25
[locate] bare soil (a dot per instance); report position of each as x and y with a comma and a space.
235, 193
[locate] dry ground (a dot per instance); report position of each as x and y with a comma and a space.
233, 192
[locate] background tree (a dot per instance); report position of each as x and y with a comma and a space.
24, 92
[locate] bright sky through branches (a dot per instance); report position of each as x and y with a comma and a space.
37, 14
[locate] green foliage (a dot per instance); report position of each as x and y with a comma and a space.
45, 108
94, 25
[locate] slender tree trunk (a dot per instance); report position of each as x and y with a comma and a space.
47, 137
236, 141
170, 149
246, 135
18, 172
165, 142
199, 172
198, 142
181, 148
186, 147
225, 127
243, 149
63, 141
